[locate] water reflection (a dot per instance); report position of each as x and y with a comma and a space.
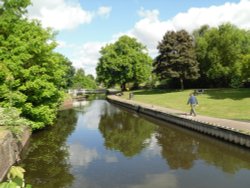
179, 150
125, 132
101, 146
46, 159
182, 147
92, 114
228, 158
158, 180
80, 155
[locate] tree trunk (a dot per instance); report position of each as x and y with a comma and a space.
136, 85
123, 86
181, 82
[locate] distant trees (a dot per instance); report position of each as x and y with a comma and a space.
32, 76
246, 68
224, 55
176, 57
124, 61
220, 55
80, 80
209, 57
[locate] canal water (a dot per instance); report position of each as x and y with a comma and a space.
102, 146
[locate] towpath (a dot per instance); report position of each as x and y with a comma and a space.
236, 125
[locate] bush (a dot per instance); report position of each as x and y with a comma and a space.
15, 178
11, 117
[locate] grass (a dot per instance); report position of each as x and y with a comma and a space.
222, 103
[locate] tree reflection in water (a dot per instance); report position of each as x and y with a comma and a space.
125, 132
182, 147
180, 150
141, 146
46, 161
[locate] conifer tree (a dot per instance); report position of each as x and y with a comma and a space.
176, 57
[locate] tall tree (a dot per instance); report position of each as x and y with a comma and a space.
222, 54
176, 57
34, 73
124, 61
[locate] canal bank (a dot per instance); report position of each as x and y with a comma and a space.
103, 145
11, 146
229, 130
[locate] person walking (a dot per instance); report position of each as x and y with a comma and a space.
192, 100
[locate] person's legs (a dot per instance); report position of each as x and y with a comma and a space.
192, 111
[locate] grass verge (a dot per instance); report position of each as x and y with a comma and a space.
221, 103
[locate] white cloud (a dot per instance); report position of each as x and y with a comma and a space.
235, 13
150, 29
110, 159
61, 44
158, 180
59, 14
153, 148
86, 56
104, 11
81, 156
91, 118
62, 14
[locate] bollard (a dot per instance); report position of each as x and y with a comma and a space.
131, 95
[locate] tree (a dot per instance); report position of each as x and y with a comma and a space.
124, 61
78, 79
246, 68
34, 74
69, 72
82, 81
176, 57
222, 54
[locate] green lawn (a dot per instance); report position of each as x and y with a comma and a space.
223, 103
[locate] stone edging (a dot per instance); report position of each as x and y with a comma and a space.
221, 132
11, 147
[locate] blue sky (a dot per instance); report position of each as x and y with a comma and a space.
84, 26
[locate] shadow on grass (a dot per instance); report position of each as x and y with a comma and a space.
217, 94
234, 94
154, 91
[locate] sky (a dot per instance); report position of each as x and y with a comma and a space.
84, 26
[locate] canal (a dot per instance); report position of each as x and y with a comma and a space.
102, 146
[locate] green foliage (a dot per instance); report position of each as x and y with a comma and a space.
153, 82
222, 54
176, 57
82, 81
122, 62
246, 67
48, 154
34, 75
69, 74
11, 117
15, 178
125, 133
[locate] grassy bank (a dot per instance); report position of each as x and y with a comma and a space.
222, 103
